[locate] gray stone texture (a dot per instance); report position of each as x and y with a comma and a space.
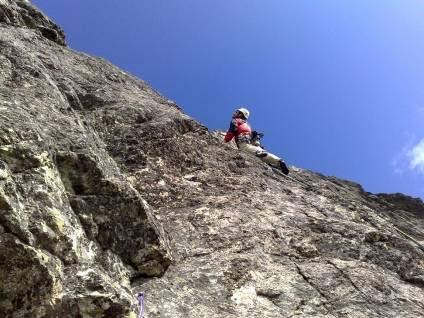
107, 189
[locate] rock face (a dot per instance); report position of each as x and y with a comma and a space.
22, 14
108, 189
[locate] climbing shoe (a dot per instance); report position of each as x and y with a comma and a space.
261, 154
283, 167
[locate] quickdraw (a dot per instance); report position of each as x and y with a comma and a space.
140, 298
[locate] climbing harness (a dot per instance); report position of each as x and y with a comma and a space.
140, 298
256, 138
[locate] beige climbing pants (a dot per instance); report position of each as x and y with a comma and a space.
265, 156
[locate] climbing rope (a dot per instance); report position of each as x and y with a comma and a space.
277, 171
140, 298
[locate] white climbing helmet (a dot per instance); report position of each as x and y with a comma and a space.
244, 111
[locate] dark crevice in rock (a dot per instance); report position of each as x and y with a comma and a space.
307, 280
273, 298
347, 277
140, 278
419, 281
90, 101
7, 230
327, 301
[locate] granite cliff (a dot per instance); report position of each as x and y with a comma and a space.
107, 188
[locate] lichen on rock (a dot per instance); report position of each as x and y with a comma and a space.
107, 189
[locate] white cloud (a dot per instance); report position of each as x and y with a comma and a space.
416, 156
401, 162
397, 164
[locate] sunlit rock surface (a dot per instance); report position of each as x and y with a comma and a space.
108, 189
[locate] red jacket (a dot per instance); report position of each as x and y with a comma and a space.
238, 127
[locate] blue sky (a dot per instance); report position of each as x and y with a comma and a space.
335, 85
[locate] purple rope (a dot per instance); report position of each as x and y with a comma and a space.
140, 297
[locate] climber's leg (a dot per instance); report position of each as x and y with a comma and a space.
265, 156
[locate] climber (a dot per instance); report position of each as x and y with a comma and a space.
249, 141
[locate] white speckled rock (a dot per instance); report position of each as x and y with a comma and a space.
108, 189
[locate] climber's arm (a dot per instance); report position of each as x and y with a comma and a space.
231, 131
